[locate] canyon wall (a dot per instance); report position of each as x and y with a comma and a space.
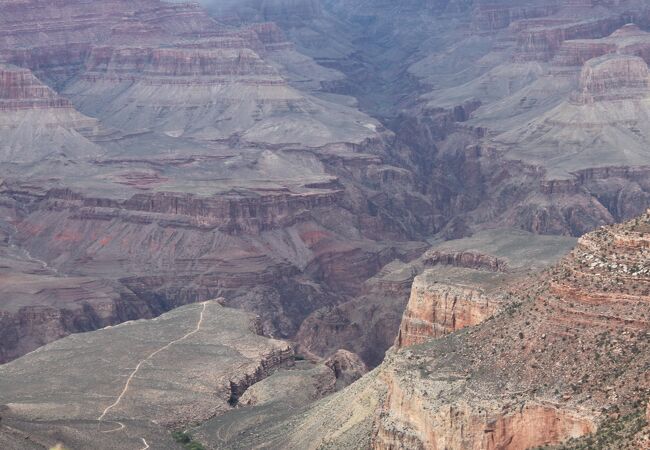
438, 308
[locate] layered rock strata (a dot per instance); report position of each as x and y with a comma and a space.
435, 309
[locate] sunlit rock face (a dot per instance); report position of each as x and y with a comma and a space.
436, 309
568, 351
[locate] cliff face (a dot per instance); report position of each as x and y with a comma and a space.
541, 39
61, 307
161, 66
613, 77
36, 123
490, 15
435, 309
555, 359
627, 40
407, 422
19, 89
567, 358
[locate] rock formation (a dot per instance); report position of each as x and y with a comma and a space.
570, 353
37, 123
581, 303
297, 158
347, 367
436, 309
203, 171
457, 283
613, 77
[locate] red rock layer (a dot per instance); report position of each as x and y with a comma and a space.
571, 356
409, 422
469, 260
227, 213
436, 309
628, 40
20, 89
176, 65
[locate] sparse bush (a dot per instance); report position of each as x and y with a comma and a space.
182, 437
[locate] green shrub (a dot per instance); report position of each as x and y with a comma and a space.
185, 438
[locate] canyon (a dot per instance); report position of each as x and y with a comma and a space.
564, 366
379, 195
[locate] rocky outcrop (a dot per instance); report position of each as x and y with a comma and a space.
408, 422
586, 303
490, 15
176, 66
347, 367
566, 359
613, 77
36, 123
437, 308
365, 325
539, 40
269, 362
627, 40
466, 259
231, 214
20, 89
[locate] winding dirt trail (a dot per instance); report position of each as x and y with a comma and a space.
151, 355
135, 371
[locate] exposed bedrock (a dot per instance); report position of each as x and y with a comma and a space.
36, 123
475, 183
20, 89
624, 191
490, 15
266, 254
613, 77
347, 367
79, 306
541, 39
443, 394
173, 65
568, 358
438, 308
230, 214
630, 39
407, 421
366, 325
468, 259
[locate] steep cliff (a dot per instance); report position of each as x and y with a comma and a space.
37, 123
437, 308
561, 356
564, 365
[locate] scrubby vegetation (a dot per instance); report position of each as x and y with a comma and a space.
615, 434
186, 439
